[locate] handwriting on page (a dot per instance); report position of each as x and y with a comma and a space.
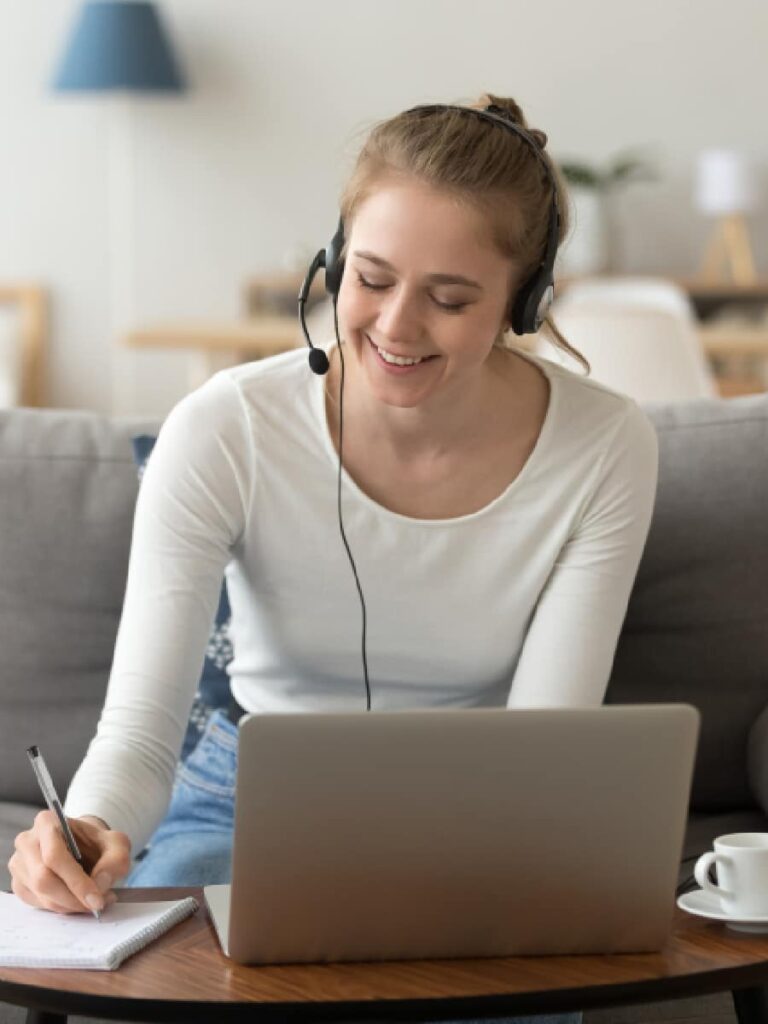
29, 933
41, 930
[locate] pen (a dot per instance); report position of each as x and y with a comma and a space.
51, 798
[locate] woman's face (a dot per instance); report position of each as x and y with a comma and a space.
422, 281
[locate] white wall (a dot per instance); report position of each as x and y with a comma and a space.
247, 167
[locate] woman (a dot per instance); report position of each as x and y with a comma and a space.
496, 505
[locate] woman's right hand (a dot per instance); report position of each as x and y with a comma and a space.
45, 874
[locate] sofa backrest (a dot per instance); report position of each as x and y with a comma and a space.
696, 628
67, 492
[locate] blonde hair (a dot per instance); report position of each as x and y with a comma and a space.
476, 163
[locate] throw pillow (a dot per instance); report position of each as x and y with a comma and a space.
213, 687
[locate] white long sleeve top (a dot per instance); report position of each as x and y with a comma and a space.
517, 604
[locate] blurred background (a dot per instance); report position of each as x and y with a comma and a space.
154, 227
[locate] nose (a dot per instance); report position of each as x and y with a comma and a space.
399, 317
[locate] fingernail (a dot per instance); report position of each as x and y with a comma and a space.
103, 880
94, 902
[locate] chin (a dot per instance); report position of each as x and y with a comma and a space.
399, 402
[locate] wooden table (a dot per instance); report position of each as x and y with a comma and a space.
184, 976
734, 340
740, 345
216, 344
739, 356
712, 296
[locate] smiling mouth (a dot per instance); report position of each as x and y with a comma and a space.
394, 360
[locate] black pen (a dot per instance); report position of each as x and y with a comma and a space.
51, 798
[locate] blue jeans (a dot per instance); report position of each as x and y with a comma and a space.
193, 844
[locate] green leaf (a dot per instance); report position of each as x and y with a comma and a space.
626, 167
577, 173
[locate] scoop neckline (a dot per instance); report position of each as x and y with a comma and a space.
534, 457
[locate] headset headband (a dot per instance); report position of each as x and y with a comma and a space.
533, 298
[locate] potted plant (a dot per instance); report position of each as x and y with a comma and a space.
591, 246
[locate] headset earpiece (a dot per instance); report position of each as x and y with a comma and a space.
334, 264
534, 298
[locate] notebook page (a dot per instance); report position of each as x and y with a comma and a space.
39, 938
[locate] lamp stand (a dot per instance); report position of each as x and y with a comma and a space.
729, 253
122, 290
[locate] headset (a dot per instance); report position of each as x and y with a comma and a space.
528, 307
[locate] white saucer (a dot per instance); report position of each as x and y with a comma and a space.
705, 904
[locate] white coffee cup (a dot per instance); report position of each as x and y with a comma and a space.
741, 860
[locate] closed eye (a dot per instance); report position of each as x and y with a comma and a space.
448, 307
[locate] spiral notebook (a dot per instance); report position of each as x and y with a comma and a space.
39, 938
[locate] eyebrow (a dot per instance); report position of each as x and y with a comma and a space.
437, 278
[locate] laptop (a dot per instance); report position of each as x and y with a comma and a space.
456, 833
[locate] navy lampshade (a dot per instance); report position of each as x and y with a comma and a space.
118, 44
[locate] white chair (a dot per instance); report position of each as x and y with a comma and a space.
652, 354
646, 292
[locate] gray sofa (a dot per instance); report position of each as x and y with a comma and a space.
696, 628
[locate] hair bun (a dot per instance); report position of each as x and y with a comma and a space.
511, 112
505, 112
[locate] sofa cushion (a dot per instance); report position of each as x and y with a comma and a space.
213, 690
696, 628
67, 493
757, 759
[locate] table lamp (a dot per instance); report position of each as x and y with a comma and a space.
119, 48
118, 45
726, 189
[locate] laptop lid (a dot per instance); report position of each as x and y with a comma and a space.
456, 833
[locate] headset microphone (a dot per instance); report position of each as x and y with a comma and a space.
318, 360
